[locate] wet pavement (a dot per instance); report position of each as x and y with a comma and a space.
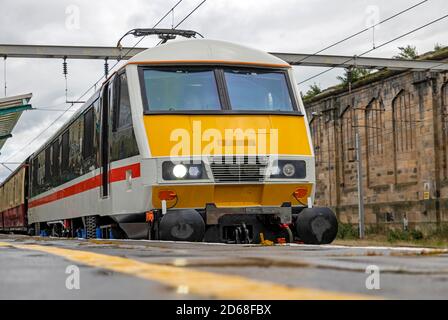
42, 268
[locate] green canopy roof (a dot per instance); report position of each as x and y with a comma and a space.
11, 109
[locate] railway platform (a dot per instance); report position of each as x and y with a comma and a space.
52, 268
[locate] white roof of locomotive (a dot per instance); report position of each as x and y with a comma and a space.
196, 50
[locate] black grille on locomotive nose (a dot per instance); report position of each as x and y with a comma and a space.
239, 169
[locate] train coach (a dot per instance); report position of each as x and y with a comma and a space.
13, 201
194, 140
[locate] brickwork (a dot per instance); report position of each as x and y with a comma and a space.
402, 121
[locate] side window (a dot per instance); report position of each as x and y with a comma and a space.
55, 155
35, 168
75, 146
87, 148
64, 155
41, 172
122, 114
47, 170
97, 131
123, 142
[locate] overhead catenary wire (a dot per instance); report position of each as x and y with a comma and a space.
362, 31
94, 85
4, 165
130, 49
186, 17
191, 12
142, 39
377, 47
158, 22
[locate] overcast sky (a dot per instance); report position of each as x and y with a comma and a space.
303, 26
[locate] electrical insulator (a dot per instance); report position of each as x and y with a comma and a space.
106, 68
64, 67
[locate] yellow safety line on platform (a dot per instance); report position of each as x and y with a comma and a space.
189, 281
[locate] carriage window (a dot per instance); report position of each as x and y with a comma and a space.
75, 162
41, 172
87, 148
55, 151
181, 89
124, 105
65, 152
258, 90
47, 169
35, 169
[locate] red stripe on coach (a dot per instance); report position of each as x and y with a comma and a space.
115, 175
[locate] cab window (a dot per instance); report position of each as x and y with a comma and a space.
122, 116
226, 89
180, 89
258, 90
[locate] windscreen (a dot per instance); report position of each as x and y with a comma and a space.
215, 89
180, 90
258, 90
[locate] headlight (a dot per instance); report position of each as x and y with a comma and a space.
179, 171
183, 171
288, 169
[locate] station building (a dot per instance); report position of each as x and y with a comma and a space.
401, 118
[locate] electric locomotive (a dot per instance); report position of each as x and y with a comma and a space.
193, 140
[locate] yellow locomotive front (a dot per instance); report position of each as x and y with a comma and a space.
228, 146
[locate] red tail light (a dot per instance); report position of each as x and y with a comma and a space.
167, 195
300, 193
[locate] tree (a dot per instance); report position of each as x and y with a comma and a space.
352, 75
438, 47
313, 91
409, 53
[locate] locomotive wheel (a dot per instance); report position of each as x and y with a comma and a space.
91, 225
316, 225
182, 225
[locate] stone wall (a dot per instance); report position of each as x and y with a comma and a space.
402, 122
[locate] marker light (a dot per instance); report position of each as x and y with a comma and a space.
289, 170
179, 171
194, 172
150, 215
